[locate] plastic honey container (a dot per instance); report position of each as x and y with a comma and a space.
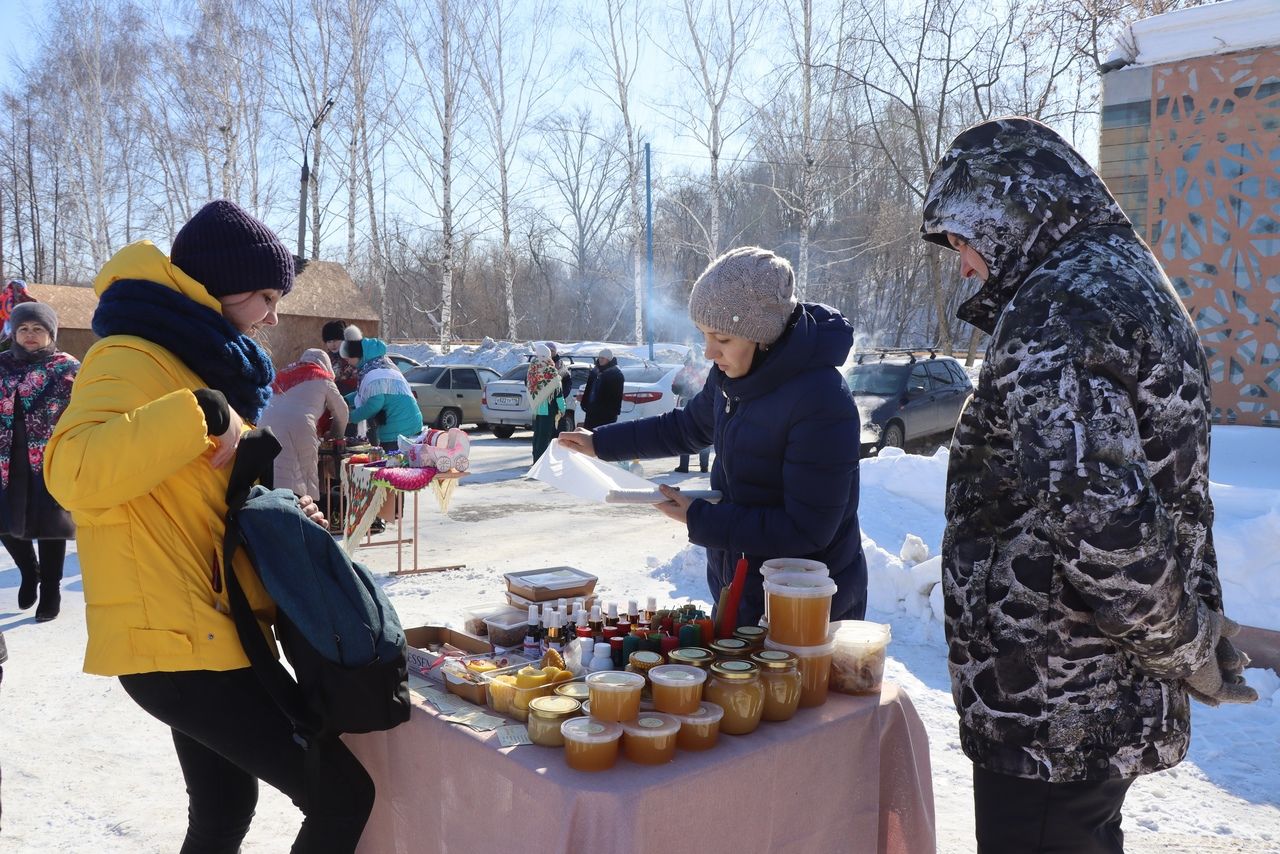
651, 738
615, 695
700, 730
776, 565
677, 688
780, 675
589, 744
735, 687
815, 669
545, 716
857, 665
799, 607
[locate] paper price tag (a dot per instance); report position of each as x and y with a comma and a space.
513, 734
475, 719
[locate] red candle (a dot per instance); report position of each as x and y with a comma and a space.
669, 642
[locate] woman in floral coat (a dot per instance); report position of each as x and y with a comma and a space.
35, 386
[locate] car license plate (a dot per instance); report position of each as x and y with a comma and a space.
507, 399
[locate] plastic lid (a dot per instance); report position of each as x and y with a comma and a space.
707, 713
792, 564
816, 651
615, 680
574, 690
800, 585
860, 632
774, 659
677, 675
554, 707
652, 725
736, 670
590, 731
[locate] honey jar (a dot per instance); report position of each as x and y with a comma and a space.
729, 649
735, 687
650, 739
589, 744
814, 664
780, 675
574, 690
545, 716
615, 695
642, 662
753, 635
677, 688
700, 730
799, 607
694, 656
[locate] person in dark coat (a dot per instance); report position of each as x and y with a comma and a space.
1080, 580
784, 427
602, 393
35, 387
687, 384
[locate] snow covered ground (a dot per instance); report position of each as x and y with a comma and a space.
86, 771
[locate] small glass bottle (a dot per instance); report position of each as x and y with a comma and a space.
532, 636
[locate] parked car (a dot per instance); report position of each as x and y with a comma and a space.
646, 390
905, 396
449, 395
404, 363
505, 402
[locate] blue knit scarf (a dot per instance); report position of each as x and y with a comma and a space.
226, 360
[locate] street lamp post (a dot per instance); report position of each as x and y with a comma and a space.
306, 178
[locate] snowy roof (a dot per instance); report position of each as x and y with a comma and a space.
1225, 27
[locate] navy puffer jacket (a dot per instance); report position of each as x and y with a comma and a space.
786, 438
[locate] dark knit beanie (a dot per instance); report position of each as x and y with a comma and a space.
332, 331
748, 292
226, 249
39, 312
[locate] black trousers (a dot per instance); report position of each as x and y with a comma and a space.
1020, 816
229, 734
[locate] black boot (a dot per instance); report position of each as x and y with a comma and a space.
27, 592
50, 593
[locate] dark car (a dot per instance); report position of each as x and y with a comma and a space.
905, 397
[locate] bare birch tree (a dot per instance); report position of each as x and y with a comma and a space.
509, 56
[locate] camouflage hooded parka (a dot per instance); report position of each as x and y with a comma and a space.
1078, 559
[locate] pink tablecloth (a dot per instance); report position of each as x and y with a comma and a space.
850, 776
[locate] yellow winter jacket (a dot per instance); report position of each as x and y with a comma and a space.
130, 459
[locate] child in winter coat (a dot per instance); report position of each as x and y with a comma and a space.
301, 394
141, 459
35, 387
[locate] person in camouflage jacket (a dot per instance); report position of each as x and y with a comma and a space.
1080, 581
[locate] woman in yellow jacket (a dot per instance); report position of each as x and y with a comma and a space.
140, 458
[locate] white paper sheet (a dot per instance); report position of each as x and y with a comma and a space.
583, 476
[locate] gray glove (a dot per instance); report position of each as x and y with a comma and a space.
1222, 679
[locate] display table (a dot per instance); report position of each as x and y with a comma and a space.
849, 776
365, 490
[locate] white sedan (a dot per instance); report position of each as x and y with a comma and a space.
646, 391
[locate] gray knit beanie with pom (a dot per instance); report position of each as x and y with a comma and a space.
748, 292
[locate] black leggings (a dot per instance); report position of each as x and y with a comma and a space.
52, 554
229, 734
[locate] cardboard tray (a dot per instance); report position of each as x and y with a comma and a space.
551, 582
423, 662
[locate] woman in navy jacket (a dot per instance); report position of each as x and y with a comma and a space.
784, 427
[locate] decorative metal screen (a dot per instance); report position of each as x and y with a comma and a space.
1214, 214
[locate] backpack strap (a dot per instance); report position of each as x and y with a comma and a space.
254, 461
